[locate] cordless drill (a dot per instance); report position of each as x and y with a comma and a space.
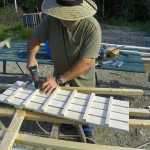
35, 77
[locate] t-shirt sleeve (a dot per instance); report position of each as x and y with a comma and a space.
42, 30
92, 42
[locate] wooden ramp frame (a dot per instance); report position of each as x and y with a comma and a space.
12, 134
85, 108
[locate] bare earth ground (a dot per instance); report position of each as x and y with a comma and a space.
113, 79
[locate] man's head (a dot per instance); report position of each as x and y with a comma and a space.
70, 10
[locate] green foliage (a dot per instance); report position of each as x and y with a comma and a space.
14, 31
25, 33
2, 36
30, 5
144, 26
128, 10
9, 17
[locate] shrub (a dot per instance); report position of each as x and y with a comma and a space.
26, 33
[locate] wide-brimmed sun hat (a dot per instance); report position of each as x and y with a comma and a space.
69, 9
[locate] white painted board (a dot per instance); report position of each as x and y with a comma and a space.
84, 108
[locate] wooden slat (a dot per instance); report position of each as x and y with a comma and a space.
139, 112
88, 90
55, 131
12, 130
62, 144
127, 46
109, 91
5, 112
109, 111
49, 99
88, 106
137, 123
2, 126
64, 111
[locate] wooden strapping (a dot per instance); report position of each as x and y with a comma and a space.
12, 131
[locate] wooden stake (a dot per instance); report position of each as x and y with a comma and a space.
12, 131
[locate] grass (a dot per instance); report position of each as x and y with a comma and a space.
16, 30
26, 33
141, 26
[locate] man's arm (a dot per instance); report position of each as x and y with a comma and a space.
33, 47
77, 69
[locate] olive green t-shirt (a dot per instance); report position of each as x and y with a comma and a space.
68, 44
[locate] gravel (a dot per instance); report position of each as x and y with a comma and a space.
107, 78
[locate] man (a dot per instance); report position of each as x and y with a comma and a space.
74, 38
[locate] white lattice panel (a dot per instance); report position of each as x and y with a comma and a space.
87, 108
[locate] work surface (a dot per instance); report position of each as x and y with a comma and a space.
18, 53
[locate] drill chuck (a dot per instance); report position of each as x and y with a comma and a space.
35, 77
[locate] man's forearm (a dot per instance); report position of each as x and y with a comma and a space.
77, 69
33, 46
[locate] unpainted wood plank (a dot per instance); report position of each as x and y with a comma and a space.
36, 116
109, 111
127, 46
12, 130
137, 123
27, 101
55, 131
139, 112
108, 91
62, 144
88, 106
64, 111
81, 133
2, 126
17, 91
50, 99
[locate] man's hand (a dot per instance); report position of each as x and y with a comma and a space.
49, 85
32, 62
